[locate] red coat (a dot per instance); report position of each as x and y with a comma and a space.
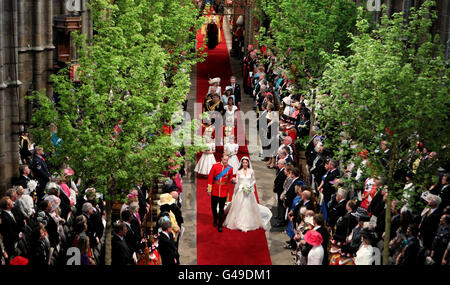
219, 188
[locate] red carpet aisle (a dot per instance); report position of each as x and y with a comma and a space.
229, 247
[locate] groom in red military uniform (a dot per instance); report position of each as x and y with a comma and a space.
220, 176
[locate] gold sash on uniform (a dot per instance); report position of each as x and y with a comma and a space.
213, 107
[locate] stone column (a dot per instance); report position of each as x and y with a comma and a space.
248, 40
23, 48
49, 47
2, 96
38, 40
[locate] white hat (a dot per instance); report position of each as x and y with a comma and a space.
214, 80
309, 220
228, 88
287, 100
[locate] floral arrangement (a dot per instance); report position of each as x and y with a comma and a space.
246, 189
228, 131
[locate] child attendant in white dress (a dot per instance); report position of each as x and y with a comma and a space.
207, 160
232, 149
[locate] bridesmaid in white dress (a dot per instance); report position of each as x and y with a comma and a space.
245, 213
207, 160
232, 149
230, 112
209, 130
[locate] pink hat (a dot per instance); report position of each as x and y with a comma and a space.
69, 171
313, 238
18, 260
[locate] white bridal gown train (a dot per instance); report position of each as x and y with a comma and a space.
245, 213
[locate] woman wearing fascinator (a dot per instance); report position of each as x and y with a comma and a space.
245, 213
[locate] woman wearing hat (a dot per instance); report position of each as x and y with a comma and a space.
215, 86
165, 205
315, 255
354, 240
365, 254
228, 94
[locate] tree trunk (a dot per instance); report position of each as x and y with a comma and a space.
387, 221
108, 230
387, 229
108, 247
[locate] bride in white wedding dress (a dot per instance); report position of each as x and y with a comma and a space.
245, 213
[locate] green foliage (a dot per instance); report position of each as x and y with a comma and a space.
135, 69
303, 31
395, 78
392, 87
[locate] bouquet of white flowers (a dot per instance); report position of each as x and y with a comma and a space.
246, 189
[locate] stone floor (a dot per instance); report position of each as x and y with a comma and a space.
264, 183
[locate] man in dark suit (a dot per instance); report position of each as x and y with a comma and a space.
236, 90
304, 203
261, 103
290, 194
278, 189
328, 188
319, 225
94, 223
24, 177
430, 221
317, 170
133, 235
310, 153
166, 244
346, 223
409, 254
9, 229
337, 207
142, 201
40, 171
51, 227
16, 211
121, 253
